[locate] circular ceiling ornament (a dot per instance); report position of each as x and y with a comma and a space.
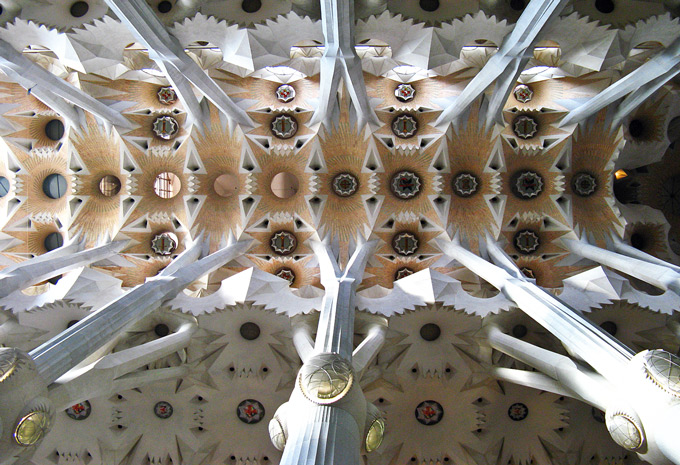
53, 241
284, 126
525, 127
345, 184
326, 378
31, 428
624, 430
167, 95
429, 412
54, 130
167, 185
465, 184
283, 242
285, 93
430, 332
287, 274
404, 126
375, 435
405, 92
527, 184
163, 410
250, 411
109, 185
79, 411
164, 243
226, 185
79, 9
518, 411
165, 127
526, 241
664, 369
405, 184
405, 243
161, 330
523, 93
584, 184
54, 186
403, 272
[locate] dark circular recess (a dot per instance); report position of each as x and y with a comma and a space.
71, 323
638, 241
161, 330
526, 184
636, 128
53, 241
164, 7
429, 412
610, 327
251, 6
1, 10
518, 411
249, 331
79, 9
54, 186
4, 186
429, 5
430, 332
519, 331
604, 6
54, 130
584, 184
517, 5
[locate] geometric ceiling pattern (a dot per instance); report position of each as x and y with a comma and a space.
227, 130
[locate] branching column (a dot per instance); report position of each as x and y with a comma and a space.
327, 420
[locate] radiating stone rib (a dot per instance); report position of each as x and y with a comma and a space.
340, 61
169, 54
68, 349
507, 64
53, 91
638, 85
53, 263
603, 352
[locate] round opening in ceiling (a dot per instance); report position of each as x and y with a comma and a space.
54, 130
284, 185
79, 9
4, 186
249, 331
251, 6
430, 332
638, 241
167, 185
519, 331
54, 186
636, 128
429, 5
604, 6
610, 327
226, 185
517, 5
71, 323
53, 241
165, 6
109, 185
161, 330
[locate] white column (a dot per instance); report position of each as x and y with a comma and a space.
507, 64
53, 91
66, 350
53, 263
639, 85
340, 61
180, 69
